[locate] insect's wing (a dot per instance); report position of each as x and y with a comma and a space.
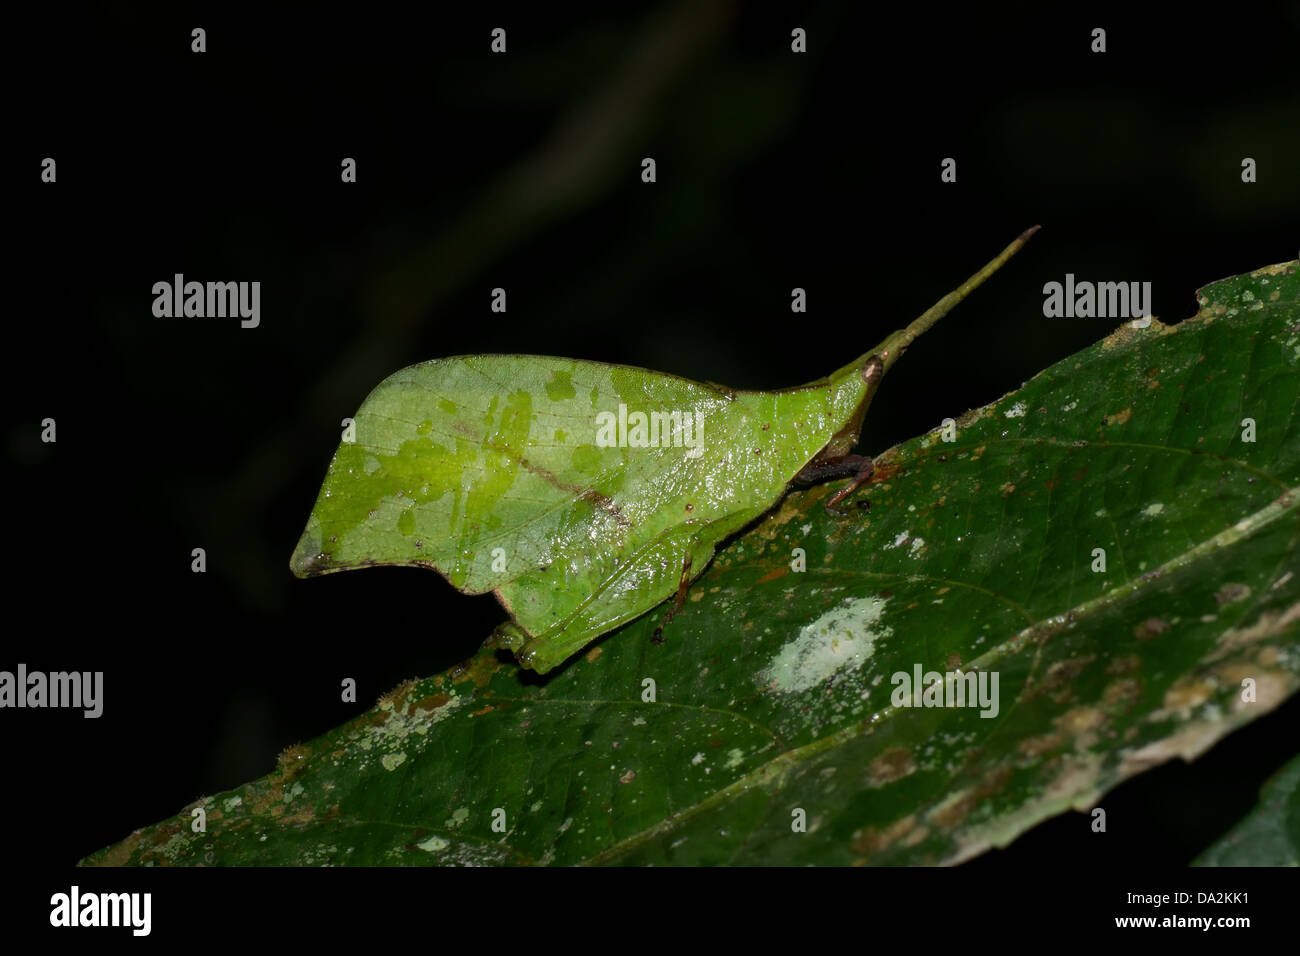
487, 467
558, 484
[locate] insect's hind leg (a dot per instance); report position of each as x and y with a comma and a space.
607, 610
507, 636
859, 467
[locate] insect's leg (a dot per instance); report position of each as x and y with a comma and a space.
613, 603
859, 467
508, 635
678, 601
863, 468
842, 467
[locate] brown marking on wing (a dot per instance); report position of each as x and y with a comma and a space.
597, 498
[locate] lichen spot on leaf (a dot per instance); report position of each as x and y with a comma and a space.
838, 642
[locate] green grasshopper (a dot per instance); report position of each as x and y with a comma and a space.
582, 494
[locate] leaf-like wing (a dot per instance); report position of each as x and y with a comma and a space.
490, 467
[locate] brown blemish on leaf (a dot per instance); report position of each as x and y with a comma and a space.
264, 799
957, 807
891, 765
1188, 742
1121, 694
432, 702
953, 810
484, 710
1120, 417
479, 669
627, 777
868, 842
1059, 676
290, 761
1126, 664
1231, 592
1186, 693
594, 654
120, 855
788, 511
915, 836
884, 471
974, 415
774, 574
1270, 624
1077, 780
1034, 747
397, 696
1126, 334
1276, 269
1233, 674
306, 815
1080, 720
1151, 627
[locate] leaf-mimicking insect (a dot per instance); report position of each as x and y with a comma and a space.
582, 494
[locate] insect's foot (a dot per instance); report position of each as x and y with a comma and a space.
539, 654
508, 636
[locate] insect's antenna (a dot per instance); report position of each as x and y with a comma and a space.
897, 343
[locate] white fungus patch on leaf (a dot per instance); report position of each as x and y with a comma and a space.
841, 640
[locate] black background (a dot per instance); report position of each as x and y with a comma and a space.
523, 171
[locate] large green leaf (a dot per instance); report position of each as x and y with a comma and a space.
1270, 835
773, 686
